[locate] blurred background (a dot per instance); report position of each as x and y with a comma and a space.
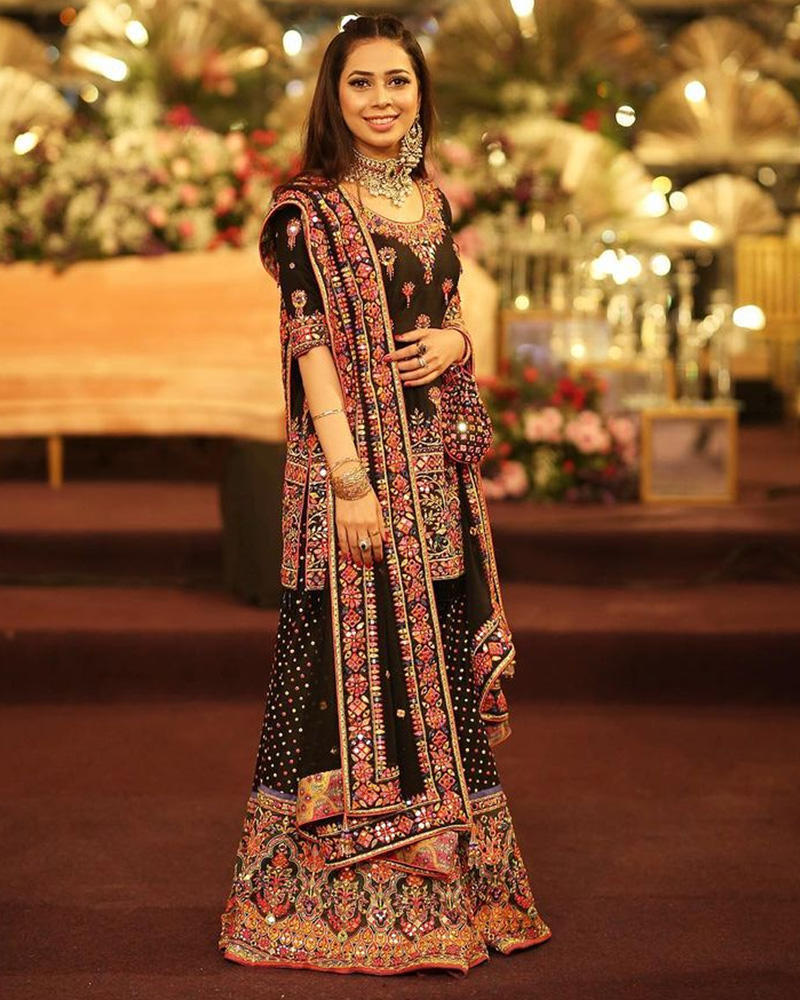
625, 183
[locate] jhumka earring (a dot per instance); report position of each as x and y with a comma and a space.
411, 145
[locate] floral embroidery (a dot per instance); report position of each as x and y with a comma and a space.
447, 287
423, 321
293, 227
387, 256
422, 237
304, 332
285, 908
299, 299
438, 492
408, 291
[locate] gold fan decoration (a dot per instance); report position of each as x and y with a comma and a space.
717, 41
20, 48
27, 103
718, 209
713, 117
601, 184
481, 46
190, 51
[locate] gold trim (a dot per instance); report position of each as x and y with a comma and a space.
679, 412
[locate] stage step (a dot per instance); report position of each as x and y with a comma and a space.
720, 643
133, 533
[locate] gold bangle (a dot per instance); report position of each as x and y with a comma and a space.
352, 485
324, 413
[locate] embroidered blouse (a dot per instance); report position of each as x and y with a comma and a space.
420, 266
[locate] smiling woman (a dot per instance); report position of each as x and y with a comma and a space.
377, 835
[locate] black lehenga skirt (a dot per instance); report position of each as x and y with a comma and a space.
286, 908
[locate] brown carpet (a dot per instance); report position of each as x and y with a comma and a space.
661, 842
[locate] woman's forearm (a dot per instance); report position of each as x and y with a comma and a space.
324, 392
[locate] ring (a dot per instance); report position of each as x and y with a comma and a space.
363, 544
422, 361
422, 348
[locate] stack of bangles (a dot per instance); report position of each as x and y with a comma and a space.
349, 485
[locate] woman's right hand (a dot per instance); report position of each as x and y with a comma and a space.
361, 518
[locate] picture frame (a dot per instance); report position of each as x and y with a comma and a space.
689, 454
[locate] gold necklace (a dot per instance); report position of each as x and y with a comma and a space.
391, 177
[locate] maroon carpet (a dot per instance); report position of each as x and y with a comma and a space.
662, 845
652, 770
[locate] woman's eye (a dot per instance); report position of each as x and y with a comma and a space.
397, 79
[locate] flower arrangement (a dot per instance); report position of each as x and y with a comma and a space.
551, 441
176, 186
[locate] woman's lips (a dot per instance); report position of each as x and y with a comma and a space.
382, 125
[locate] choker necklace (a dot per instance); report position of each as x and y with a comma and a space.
391, 177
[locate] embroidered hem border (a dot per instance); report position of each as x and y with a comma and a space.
288, 908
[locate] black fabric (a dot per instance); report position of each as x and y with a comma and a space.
299, 733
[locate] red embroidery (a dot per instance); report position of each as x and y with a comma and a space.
408, 291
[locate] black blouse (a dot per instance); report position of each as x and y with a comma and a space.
420, 266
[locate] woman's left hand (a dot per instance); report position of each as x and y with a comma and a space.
442, 349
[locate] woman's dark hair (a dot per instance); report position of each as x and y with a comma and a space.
328, 142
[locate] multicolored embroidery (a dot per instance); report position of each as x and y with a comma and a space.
390, 914
447, 288
422, 322
293, 227
437, 480
422, 237
408, 291
387, 256
299, 300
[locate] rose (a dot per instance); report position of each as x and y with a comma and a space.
189, 194
156, 216
514, 478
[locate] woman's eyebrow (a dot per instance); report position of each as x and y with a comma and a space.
363, 72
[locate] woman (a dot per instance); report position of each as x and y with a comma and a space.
377, 837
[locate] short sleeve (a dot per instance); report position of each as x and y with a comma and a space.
301, 299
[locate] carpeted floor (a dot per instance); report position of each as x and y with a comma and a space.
652, 771
661, 842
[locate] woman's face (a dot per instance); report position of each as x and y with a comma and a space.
378, 81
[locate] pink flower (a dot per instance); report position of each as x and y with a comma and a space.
514, 478
493, 489
156, 216
235, 141
181, 167
588, 436
189, 194
469, 241
623, 429
457, 153
543, 425
225, 199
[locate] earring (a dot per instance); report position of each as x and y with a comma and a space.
411, 145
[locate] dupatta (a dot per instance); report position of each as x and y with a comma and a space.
401, 791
